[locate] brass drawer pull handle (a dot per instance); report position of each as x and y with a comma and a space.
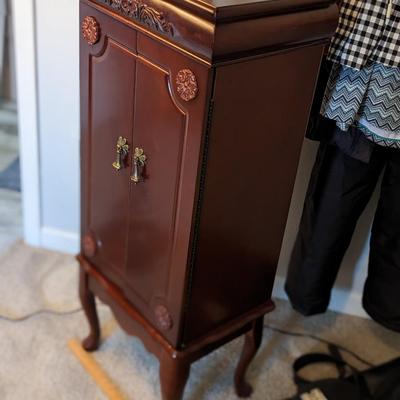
139, 161
122, 152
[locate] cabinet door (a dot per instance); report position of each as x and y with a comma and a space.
168, 129
108, 80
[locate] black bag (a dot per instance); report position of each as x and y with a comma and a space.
377, 383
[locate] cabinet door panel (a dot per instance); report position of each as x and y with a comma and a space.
159, 129
169, 130
107, 95
112, 82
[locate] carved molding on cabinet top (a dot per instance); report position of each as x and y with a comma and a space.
140, 11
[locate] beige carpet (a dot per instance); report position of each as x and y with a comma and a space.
36, 363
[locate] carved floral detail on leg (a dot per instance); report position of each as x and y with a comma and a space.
91, 30
140, 11
89, 245
163, 318
186, 84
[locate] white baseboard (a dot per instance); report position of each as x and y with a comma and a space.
55, 239
343, 301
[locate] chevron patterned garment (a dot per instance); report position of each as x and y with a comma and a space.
368, 99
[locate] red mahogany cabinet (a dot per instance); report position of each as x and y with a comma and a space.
193, 115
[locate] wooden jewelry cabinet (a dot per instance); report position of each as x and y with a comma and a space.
193, 115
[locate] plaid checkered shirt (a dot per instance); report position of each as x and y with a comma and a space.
367, 31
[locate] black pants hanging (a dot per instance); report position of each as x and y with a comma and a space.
339, 189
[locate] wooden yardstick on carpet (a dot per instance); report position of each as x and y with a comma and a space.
193, 116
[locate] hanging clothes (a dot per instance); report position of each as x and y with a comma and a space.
339, 190
367, 31
360, 138
364, 84
368, 99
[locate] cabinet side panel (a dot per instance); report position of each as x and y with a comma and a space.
261, 109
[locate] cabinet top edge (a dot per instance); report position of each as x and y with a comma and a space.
219, 10
220, 30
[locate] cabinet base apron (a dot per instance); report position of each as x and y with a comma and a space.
174, 363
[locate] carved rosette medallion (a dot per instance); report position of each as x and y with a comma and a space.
89, 245
163, 318
186, 84
142, 12
91, 30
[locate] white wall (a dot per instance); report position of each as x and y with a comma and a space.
28, 129
57, 38
57, 35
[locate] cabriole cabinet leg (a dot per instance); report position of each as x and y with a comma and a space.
174, 374
87, 298
251, 345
